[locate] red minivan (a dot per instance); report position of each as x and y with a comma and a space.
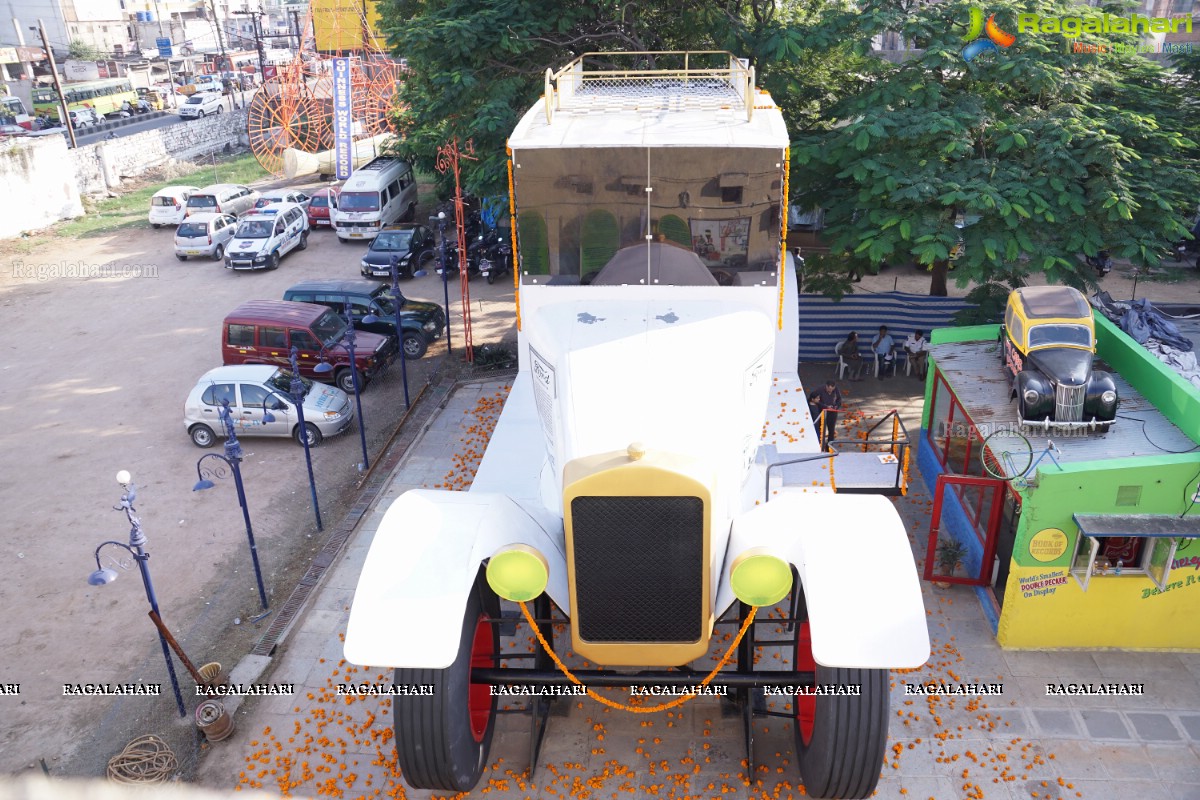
264, 331
319, 208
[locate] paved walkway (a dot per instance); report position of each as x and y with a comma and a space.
1018, 744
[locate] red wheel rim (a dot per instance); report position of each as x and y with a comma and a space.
479, 695
805, 706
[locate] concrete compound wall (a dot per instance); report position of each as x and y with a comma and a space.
44, 179
39, 183
100, 167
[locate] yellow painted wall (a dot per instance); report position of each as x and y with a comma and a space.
1114, 612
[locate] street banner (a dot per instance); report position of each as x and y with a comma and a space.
342, 134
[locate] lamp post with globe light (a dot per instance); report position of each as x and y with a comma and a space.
325, 367
206, 471
297, 392
440, 221
137, 549
397, 298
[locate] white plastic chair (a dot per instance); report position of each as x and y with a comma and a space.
878, 366
841, 362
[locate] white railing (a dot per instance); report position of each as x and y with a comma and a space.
594, 82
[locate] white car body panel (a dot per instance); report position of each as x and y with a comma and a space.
824, 537
171, 215
422, 565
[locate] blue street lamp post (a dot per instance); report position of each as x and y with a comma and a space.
397, 298
137, 549
297, 393
440, 220
325, 367
232, 460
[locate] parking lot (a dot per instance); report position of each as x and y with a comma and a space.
109, 334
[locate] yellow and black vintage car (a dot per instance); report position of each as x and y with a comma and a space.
1047, 344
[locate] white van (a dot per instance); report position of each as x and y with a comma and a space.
223, 198
167, 205
266, 235
379, 193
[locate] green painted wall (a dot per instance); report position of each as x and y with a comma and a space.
1045, 608
1176, 398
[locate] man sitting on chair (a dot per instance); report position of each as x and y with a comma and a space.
882, 346
915, 345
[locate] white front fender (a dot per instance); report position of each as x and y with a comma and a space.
423, 561
856, 566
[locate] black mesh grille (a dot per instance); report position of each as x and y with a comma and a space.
639, 568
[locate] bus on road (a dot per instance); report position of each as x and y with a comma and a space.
103, 96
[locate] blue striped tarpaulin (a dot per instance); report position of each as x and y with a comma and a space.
824, 322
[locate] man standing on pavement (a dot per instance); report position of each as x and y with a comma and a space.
915, 345
882, 346
829, 400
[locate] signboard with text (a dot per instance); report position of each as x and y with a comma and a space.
342, 134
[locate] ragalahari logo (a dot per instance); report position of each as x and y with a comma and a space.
977, 42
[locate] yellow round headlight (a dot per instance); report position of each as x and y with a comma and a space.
518, 573
760, 579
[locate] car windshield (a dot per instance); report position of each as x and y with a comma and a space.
196, 100
392, 240
1059, 336
192, 229
202, 201
358, 201
329, 328
319, 202
385, 304
281, 381
254, 229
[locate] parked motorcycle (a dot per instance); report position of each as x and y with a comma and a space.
493, 256
1101, 262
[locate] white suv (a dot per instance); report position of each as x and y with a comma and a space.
202, 103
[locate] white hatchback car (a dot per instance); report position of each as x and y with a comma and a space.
204, 235
169, 205
283, 196
201, 104
260, 404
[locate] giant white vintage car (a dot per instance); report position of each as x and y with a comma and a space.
637, 480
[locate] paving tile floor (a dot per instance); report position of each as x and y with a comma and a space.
1021, 743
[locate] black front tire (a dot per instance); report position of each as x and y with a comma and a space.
201, 115
491, 278
218, 252
443, 739
314, 435
202, 435
274, 262
413, 345
303, 245
345, 381
840, 739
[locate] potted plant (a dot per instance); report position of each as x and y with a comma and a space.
949, 555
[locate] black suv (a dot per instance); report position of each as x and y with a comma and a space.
412, 244
422, 323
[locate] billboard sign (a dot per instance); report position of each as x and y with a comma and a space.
343, 149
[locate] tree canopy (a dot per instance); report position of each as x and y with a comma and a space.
1038, 152
477, 65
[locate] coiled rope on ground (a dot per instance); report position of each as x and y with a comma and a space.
147, 759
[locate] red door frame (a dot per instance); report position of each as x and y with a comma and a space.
988, 540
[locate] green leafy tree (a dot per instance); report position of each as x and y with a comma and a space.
1039, 153
80, 50
477, 65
